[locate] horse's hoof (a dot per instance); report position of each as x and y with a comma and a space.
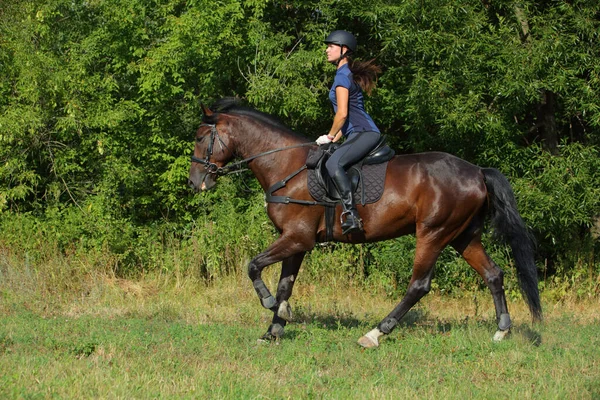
268, 338
273, 335
501, 335
276, 330
285, 311
265, 341
368, 342
371, 339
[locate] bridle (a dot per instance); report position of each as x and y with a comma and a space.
214, 169
211, 167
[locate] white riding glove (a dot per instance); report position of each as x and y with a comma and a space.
323, 140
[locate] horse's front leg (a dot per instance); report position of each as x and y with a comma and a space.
281, 249
283, 312
285, 247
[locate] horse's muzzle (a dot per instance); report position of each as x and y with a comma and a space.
201, 181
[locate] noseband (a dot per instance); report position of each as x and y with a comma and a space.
213, 168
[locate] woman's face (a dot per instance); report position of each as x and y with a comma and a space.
333, 51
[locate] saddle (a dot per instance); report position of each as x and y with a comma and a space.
366, 176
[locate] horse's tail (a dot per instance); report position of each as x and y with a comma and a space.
510, 228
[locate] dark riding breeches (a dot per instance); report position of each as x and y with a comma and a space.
351, 151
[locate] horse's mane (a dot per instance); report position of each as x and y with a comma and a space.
231, 105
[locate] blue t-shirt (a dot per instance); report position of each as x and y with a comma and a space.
358, 120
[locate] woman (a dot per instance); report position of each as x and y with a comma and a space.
351, 121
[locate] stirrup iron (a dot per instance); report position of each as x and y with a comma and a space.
357, 226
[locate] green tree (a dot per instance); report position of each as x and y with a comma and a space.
99, 101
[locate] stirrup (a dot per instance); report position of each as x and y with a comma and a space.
356, 226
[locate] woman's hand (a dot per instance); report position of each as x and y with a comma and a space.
324, 140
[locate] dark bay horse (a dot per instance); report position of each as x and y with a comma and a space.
440, 198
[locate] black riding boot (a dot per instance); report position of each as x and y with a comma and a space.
352, 223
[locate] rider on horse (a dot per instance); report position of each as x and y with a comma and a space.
351, 121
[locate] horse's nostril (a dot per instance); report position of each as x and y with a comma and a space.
191, 184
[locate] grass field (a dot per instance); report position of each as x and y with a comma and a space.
161, 338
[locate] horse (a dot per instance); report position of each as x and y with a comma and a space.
440, 198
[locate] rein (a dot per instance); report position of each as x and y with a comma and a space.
213, 168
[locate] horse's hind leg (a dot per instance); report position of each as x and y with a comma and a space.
493, 276
419, 286
283, 314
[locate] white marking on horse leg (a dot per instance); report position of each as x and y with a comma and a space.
285, 311
371, 339
501, 335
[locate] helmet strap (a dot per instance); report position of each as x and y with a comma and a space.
342, 56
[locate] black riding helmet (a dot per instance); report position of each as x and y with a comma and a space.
342, 38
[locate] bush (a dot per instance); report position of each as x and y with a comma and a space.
559, 197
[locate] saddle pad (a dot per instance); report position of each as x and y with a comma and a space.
374, 180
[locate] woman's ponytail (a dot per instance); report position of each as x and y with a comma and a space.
365, 74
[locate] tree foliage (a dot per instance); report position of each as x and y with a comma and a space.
99, 99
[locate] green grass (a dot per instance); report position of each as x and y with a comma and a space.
154, 338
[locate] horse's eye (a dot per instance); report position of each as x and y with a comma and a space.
199, 139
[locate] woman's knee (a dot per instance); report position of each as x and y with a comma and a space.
332, 165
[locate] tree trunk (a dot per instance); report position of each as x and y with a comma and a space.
546, 121
520, 14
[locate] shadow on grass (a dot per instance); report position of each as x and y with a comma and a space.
413, 320
336, 321
534, 337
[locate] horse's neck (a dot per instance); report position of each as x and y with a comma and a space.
270, 168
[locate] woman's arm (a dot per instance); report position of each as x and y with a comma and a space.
341, 94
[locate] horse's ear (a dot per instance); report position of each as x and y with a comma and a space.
207, 111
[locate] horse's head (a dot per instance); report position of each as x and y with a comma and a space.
211, 152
